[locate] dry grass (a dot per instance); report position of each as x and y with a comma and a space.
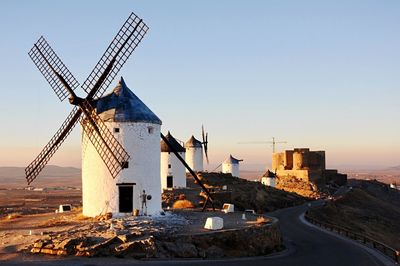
365, 213
13, 216
262, 220
183, 204
54, 223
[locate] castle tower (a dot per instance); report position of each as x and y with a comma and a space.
194, 154
173, 173
231, 165
137, 128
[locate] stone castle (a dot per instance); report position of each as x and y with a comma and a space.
302, 169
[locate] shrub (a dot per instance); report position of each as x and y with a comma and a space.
183, 204
262, 220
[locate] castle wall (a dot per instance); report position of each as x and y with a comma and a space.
299, 174
278, 161
288, 160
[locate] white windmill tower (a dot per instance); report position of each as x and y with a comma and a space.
269, 179
121, 155
231, 166
194, 151
194, 154
173, 173
137, 128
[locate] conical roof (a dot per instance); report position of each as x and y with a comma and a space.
165, 148
122, 105
269, 174
232, 160
193, 143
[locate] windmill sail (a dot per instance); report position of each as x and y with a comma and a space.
36, 166
64, 83
52, 68
121, 47
110, 150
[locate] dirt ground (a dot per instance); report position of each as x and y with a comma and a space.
19, 232
23, 201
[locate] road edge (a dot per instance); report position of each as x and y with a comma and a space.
378, 255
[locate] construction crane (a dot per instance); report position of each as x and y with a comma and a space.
273, 143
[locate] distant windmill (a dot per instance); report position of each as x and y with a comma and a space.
195, 149
273, 143
101, 192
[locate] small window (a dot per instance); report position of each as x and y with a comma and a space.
169, 166
150, 130
125, 165
116, 129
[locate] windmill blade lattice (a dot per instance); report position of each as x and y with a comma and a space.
36, 166
49, 64
205, 143
110, 150
122, 46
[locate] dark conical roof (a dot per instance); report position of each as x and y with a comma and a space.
232, 160
193, 143
165, 148
122, 105
269, 174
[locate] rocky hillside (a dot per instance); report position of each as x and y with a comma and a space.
242, 193
298, 186
370, 208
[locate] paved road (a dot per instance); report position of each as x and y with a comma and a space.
306, 246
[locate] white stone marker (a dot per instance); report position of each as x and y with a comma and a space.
214, 223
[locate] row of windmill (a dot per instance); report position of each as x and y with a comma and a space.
121, 162
173, 173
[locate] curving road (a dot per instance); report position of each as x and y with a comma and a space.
307, 245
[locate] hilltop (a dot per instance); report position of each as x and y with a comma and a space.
244, 194
370, 208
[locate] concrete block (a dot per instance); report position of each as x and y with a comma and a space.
214, 223
228, 208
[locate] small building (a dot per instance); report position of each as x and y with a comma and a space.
137, 128
173, 173
269, 179
194, 154
231, 166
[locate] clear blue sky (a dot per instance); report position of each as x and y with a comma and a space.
318, 74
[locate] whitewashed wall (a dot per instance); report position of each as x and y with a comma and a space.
99, 189
268, 181
230, 168
194, 158
177, 170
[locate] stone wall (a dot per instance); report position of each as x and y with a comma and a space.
251, 241
142, 239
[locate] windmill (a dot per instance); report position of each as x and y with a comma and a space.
231, 165
109, 149
195, 149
